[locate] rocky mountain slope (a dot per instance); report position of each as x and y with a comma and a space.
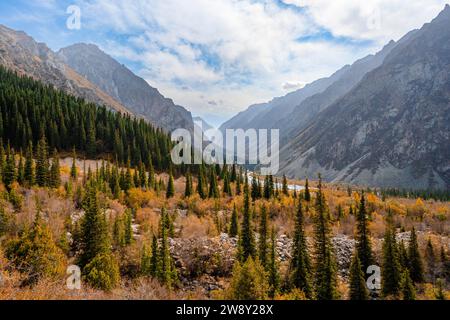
20, 53
124, 86
292, 112
265, 115
393, 128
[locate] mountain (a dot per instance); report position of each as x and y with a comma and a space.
120, 83
393, 128
291, 112
20, 53
349, 76
265, 115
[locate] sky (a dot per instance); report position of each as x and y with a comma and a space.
217, 57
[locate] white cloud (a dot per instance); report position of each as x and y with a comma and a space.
244, 51
379, 20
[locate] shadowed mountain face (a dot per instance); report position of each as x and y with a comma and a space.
393, 127
124, 86
20, 53
292, 112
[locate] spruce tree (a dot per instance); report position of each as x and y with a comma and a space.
407, 286
188, 188
42, 163
285, 186
170, 192
9, 171
272, 267
263, 238
29, 166
255, 188
300, 264
233, 173
167, 273
154, 258
94, 232
200, 184
234, 224
358, 289
403, 255
325, 268
415, 259
213, 188
128, 230
430, 259
226, 184
246, 238
363, 245
391, 269
55, 174
73, 169
307, 193
21, 170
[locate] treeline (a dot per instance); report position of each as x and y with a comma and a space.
30, 110
437, 195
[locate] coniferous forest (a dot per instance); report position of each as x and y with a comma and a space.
85, 188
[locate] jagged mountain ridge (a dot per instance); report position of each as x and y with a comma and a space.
124, 86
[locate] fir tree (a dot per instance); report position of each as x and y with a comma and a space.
9, 171
29, 166
166, 271
285, 186
233, 174
226, 184
200, 185
255, 188
415, 259
94, 233
263, 235
188, 188
407, 286
21, 170
246, 239
42, 163
272, 267
73, 169
170, 192
234, 224
363, 245
300, 264
402, 255
213, 188
4, 220
128, 230
358, 289
391, 269
430, 259
325, 269
154, 258
55, 175
307, 193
